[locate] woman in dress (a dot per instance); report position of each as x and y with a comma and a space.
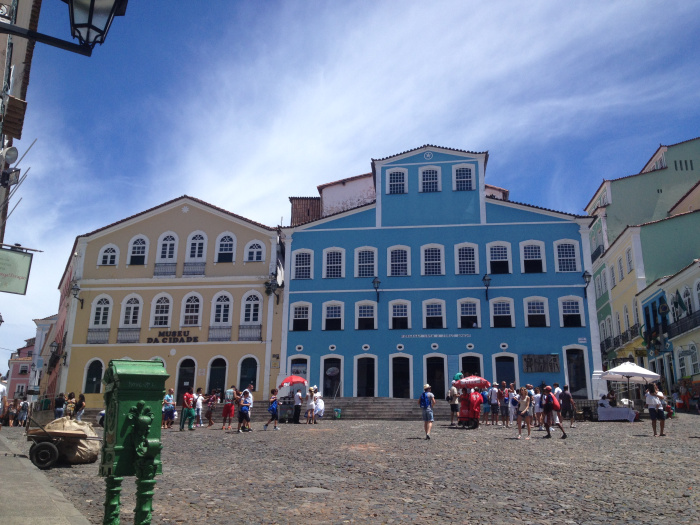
310, 407
523, 412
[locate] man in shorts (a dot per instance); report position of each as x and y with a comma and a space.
229, 404
187, 410
454, 404
493, 402
244, 412
169, 409
427, 402
568, 406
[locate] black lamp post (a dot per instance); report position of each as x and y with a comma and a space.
75, 290
375, 283
587, 279
90, 21
487, 282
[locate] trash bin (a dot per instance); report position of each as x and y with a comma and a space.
336, 413
285, 409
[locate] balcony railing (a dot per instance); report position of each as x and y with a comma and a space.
194, 268
128, 335
597, 252
683, 325
606, 344
164, 269
634, 331
219, 333
617, 341
97, 336
250, 332
624, 337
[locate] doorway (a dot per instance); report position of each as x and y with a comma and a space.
576, 370
217, 375
249, 374
401, 378
185, 378
365, 376
505, 369
332, 372
435, 375
471, 366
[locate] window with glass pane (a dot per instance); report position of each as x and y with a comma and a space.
167, 248
499, 259
161, 317
131, 312
397, 182
466, 260
365, 263
255, 252
463, 179
251, 313
613, 281
138, 252
433, 316
300, 323
571, 313
197, 247
620, 270
225, 249
532, 258
432, 261
629, 260
430, 181
399, 262
536, 316
399, 316
365, 317
109, 257
501, 315
694, 361
467, 315
334, 265
333, 317
302, 266
222, 310
191, 311
101, 313
566, 255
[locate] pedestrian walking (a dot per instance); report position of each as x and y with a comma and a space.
70, 406
568, 406
272, 409
493, 402
169, 409
198, 403
229, 404
654, 400
80, 407
12, 413
504, 404
485, 406
244, 412
551, 409
310, 406
297, 406
59, 406
187, 410
537, 401
454, 404
212, 401
23, 410
513, 398
427, 402
523, 412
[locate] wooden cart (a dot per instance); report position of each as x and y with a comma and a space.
45, 448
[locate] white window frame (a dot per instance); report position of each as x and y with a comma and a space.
620, 269
311, 264
422, 170
85, 372
342, 261
476, 257
455, 167
630, 264
489, 245
408, 259
357, 312
123, 311
357, 261
597, 287
131, 247
260, 301
424, 311
102, 252
93, 309
391, 311
577, 255
212, 313
292, 307
543, 254
161, 239
472, 300
495, 300
323, 313
199, 314
442, 258
153, 311
217, 248
544, 300
582, 311
405, 180
247, 248
613, 279
190, 238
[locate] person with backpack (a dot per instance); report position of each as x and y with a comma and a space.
551, 408
427, 402
23, 410
272, 409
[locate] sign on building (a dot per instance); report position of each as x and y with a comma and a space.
14, 271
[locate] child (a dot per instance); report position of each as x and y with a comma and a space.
272, 409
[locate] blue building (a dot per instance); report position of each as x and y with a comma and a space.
419, 269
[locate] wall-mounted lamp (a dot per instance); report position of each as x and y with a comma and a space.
54, 347
375, 283
587, 279
272, 286
487, 282
1, 320
75, 290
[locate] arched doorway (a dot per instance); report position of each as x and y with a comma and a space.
435, 375
185, 378
576, 370
332, 372
401, 377
505, 369
249, 373
365, 376
217, 374
471, 366
300, 367
93, 378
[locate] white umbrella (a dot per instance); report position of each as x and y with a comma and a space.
631, 373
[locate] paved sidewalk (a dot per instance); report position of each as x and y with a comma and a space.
26, 494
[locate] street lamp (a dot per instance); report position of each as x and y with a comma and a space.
75, 290
487, 282
272, 286
53, 346
587, 279
376, 282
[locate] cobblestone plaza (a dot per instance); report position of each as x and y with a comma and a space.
354, 471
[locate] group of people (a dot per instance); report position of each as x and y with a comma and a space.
16, 413
69, 406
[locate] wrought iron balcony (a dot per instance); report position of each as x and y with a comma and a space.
683, 325
97, 336
624, 337
617, 341
606, 344
219, 333
128, 335
164, 270
194, 268
250, 332
597, 253
634, 331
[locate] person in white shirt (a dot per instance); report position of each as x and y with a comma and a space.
297, 406
198, 399
654, 400
310, 407
493, 401
319, 407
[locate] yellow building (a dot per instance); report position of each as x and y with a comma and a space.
186, 283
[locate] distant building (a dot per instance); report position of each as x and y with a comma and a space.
424, 229
19, 369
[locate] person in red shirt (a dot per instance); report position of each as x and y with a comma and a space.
187, 410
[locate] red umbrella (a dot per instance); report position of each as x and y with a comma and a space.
293, 380
472, 382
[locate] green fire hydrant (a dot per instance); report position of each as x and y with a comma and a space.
131, 446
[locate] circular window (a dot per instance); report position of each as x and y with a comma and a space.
399, 347
331, 348
365, 347
434, 346
173, 352
470, 346
504, 346
299, 348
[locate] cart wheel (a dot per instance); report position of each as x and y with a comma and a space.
43, 455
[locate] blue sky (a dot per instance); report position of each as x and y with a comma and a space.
247, 103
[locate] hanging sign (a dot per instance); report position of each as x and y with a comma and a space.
14, 271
